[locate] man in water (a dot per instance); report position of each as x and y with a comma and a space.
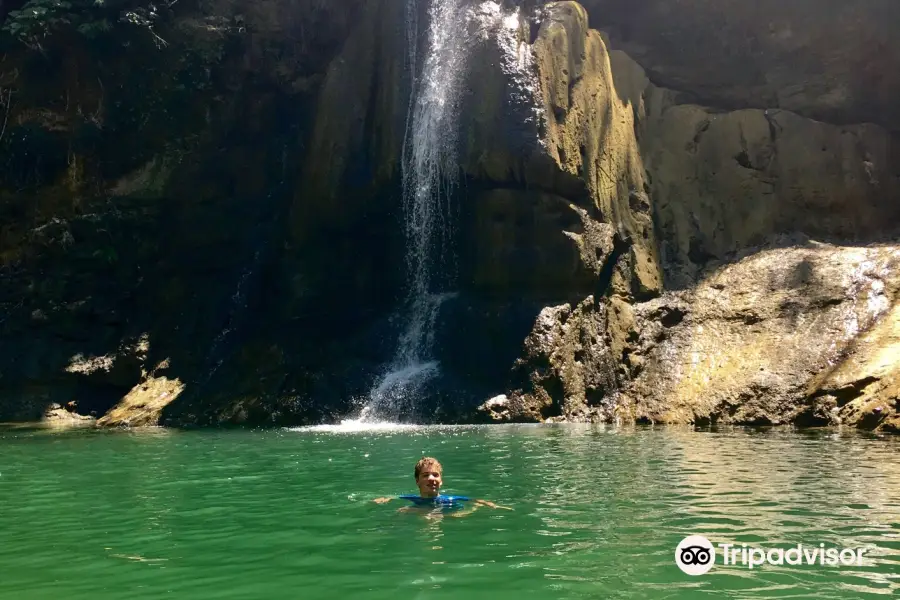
429, 479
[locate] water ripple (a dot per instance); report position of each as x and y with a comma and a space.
597, 513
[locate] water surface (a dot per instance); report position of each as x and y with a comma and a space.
597, 513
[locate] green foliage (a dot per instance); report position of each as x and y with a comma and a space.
96, 88
38, 20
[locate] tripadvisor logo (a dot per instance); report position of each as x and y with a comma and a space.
695, 555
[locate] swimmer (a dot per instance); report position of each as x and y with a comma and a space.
429, 479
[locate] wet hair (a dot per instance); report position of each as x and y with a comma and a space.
427, 461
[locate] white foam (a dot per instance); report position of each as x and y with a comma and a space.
353, 426
356, 426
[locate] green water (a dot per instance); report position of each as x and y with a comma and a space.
288, 514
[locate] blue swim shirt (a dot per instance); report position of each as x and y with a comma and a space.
440, 500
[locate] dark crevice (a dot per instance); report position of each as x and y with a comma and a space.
697, 253
850, 392
702, 127
95, 399
559, 113
554, 388
671, 316
743, 159
533, 31
774, 127
594, 396
810, 418
604, 277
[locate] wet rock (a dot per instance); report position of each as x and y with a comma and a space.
63, 417
567, 369
496, 408
150, 161
143, 405
820, 348
864, 382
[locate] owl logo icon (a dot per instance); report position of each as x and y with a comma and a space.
695, 555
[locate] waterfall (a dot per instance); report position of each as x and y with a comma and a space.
429, 172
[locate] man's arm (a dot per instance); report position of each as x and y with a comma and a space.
480, 502
384, 500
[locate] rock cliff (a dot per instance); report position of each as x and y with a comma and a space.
687, 210
148, 166
765, 238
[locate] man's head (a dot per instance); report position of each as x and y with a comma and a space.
429, 477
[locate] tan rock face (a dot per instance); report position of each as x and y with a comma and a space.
156, 154
143, 405
769, 327
831, 60
864, 387
755, 335
591, 131
580, 145
726, 182
722, 182
807, 334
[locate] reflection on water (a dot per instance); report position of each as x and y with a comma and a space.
598, 512
784, 489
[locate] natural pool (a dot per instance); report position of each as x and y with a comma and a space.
598, 513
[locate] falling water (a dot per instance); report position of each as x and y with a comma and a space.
429, 171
